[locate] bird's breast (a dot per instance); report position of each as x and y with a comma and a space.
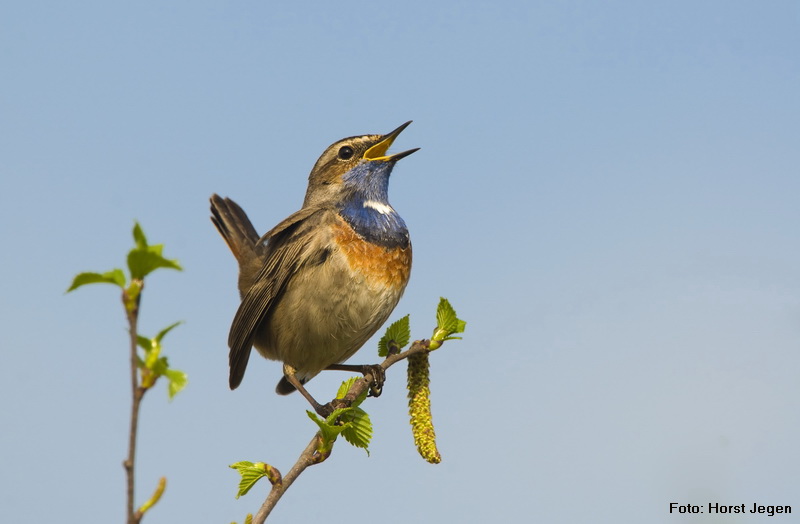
380, 266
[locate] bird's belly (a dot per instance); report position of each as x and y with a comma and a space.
328, 311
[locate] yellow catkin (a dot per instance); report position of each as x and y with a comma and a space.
419, 407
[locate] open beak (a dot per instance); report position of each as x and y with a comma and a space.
378, 151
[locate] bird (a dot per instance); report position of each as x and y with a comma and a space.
319, 284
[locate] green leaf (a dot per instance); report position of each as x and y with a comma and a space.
144, 258
143, 261
399, 332
352, 423
344, 388
447, 319
250, 473
448, 323
177, 381
357, 427
154, 365
327, 430
157, 365
115, 276
144, 343
166, 330
138, 236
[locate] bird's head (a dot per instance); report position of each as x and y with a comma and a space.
357, 164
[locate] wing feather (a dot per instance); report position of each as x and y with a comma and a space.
290, 245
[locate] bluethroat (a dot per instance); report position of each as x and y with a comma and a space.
318, 285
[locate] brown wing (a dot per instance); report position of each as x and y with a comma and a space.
291, 245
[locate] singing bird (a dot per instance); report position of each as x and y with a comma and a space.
319, 284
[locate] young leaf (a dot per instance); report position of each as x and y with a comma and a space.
250, 473
166, 330
345, 387
177, 381
327, 430
115, 276
144, 258
399, 332
153, 500
446, 317
138, 236
448, 323
143, 261
352, 423
144, 342
154, 365
152, 360
357, 427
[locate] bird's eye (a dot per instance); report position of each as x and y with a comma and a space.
346, 152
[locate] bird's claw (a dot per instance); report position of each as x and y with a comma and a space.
378, 379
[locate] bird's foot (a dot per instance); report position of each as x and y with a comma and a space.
327, 410
375, 370
378, 379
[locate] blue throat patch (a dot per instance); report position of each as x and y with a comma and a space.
366, 207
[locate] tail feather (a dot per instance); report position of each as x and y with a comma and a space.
243, 240
236, 229
284, 387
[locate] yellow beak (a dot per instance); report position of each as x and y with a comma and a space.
378, 151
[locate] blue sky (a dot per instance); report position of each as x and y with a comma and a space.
606, 191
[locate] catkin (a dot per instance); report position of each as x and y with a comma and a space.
419, 407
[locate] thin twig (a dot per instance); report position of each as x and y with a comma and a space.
310, 455
132, 311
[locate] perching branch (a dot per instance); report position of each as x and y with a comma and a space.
310, 454
345, 416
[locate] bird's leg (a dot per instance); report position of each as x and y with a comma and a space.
376, 370
323, 411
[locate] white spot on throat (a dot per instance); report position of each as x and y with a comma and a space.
380, 207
